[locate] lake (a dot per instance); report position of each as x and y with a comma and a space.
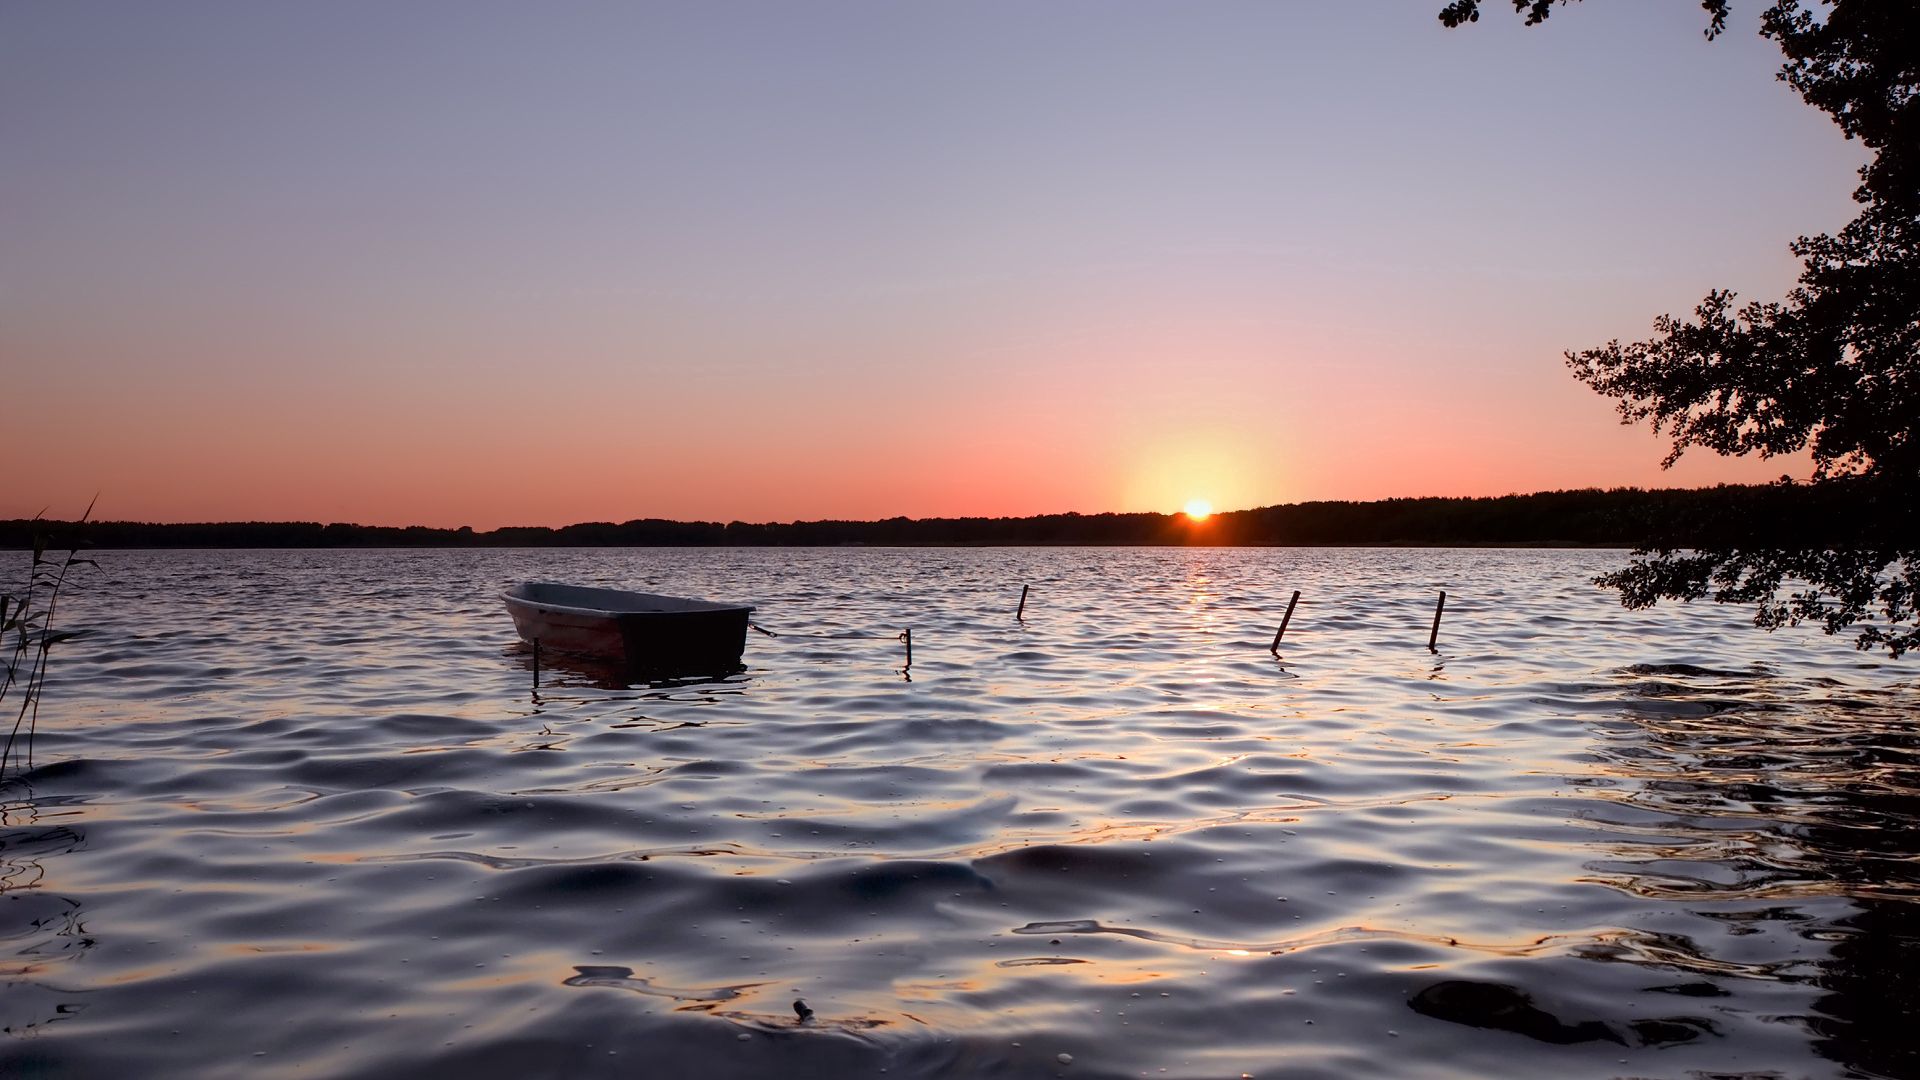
304, 813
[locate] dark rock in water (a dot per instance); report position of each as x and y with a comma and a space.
1690, 670
60, 770
800, 1010
1107, 864
546, 884
602, 971
1690, 989
1665, 1031
896, 877
1504, 1008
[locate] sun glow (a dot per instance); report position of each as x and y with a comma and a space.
1199, 509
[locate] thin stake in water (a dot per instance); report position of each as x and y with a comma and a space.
1284, 620
907, 636
1434, 637
1021, 615
536, 663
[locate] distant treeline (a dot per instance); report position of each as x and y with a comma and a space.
1786, 515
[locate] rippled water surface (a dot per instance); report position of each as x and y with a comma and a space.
303, 814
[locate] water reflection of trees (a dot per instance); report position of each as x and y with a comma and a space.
1741, 788
40, 930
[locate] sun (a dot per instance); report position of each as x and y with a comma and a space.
1199, 509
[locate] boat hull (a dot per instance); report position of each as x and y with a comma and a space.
646, 635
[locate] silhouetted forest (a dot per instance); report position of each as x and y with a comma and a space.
1783, 515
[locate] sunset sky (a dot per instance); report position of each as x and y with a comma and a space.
474, 263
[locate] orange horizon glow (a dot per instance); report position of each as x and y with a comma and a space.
497, 447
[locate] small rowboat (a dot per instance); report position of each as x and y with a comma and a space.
644, 633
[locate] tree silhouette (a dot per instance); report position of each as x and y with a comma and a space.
1833, 369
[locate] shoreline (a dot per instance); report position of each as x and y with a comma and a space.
1584, 518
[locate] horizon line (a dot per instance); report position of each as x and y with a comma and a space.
209, 522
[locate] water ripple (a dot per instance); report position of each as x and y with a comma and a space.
305, 813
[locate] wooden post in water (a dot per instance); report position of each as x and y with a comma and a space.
907, 636
1284, 620
536, 663
1021, 615
1433, 638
